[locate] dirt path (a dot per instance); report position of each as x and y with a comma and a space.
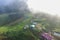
17, 21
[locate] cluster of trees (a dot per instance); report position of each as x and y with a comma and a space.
18, 35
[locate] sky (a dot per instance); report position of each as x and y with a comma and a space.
47, 6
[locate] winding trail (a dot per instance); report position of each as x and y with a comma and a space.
15, 22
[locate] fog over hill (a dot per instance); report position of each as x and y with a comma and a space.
7, 6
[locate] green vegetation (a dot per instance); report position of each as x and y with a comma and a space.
17, 32
14, 17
